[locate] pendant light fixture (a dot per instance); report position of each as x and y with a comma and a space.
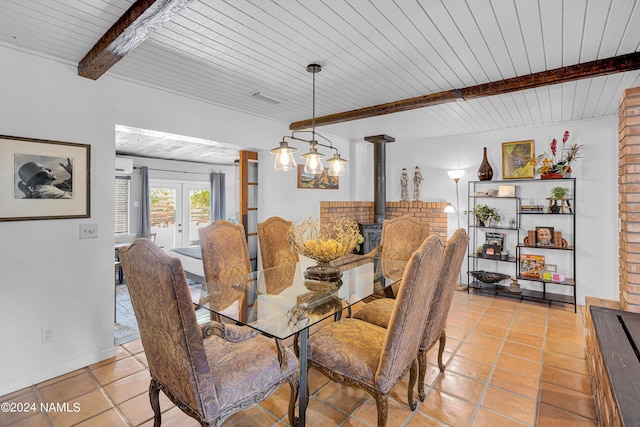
313, 159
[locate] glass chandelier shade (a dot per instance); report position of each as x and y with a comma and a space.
313, 159
336, 165
284, 157
313, 164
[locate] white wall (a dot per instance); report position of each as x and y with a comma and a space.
596, 173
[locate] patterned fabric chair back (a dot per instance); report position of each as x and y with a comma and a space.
402, 236
275, 249
170, 334
410, 312
445, 285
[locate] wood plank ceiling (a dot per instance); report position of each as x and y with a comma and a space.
372, 52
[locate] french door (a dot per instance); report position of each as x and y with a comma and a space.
178, 210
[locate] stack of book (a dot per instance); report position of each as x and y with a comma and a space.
532, 208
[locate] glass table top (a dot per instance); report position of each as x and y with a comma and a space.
280, 302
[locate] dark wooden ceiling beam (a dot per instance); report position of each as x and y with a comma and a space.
142, 19
600, 67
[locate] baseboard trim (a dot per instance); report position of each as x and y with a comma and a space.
55, 371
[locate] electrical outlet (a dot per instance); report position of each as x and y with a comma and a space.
47, 335
88, 231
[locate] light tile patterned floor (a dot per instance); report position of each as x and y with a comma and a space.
509, 363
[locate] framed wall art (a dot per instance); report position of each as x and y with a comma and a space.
322, 181
42, 179
515, 159
545, 236
531, 265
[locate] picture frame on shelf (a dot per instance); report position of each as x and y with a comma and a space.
545, 236
515, 159
531, 265
43, 179
322, 182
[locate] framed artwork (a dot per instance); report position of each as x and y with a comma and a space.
531, 265
42, 179
322, 181
515, 159
544, 236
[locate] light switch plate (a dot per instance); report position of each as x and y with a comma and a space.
88, 231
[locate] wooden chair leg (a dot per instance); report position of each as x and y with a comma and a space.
296, 344
382, 405
293, 421
154, 397
443, 341
422, 372
413, 373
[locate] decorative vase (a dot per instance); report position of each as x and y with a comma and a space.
551, 176
323, 271
485, 172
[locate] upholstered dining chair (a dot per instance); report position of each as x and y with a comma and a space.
224, 255
275, 251
210, 372
400, 237
359, 353
379, 312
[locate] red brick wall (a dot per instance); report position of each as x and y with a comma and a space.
431, 212
629, 199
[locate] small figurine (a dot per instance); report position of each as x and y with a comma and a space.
417, 179
404, 180
514, 286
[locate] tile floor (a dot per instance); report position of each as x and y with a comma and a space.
509, 363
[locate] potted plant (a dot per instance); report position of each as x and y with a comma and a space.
485, 215
559, 192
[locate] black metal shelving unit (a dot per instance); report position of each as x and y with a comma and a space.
537, 289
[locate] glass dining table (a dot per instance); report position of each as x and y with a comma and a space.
281, 303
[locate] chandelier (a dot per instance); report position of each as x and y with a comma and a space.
313, 159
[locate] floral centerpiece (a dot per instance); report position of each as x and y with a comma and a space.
557, 165
324, 242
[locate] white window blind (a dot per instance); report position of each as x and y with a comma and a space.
122, 190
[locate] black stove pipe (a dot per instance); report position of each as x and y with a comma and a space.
380, 186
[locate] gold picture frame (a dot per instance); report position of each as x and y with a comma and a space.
42, 179
323, 181
515, 159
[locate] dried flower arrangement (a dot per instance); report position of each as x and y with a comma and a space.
324, 242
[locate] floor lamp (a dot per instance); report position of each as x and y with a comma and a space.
456, 175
